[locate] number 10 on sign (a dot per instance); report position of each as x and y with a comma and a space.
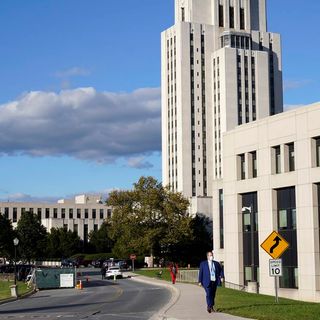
275, 267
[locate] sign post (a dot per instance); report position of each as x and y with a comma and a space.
133, 257
275, 245
275, 270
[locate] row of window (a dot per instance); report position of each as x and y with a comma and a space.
282, 159
244, 99
198, 128
217, 122
287, 227
172, 112
222, 23
54, 213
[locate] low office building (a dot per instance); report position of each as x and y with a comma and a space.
272, 182
83, 214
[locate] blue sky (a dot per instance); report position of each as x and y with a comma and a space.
55, 144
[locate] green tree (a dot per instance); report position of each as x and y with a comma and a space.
32, 237
100, 239
6, 237
150, 219
193, 250
62, 243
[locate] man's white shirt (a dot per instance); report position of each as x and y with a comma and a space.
212, 270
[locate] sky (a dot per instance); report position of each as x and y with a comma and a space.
80, 90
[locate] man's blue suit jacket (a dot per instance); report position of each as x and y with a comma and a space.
204, 273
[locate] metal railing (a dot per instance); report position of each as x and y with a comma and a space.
190, 276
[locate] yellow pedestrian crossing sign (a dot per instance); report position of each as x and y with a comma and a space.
275, 245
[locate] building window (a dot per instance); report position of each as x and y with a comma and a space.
85, 233
182, 14
6, 212
78, 213
316, 151
75, 228
101, 214
94, 213
15, 215
55, 213
31, 210
241, 167
254, 164
249, 211
276, 152
63, 213
242, 19
231, 17
86, 213
221, 22
39, 213
70, 213
95, 227
221, 223
109, 212
318, 205
290, 150
287, 225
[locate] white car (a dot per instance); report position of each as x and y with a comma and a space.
114, 272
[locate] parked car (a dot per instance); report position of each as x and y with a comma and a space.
114, 272
97, 263
69, 263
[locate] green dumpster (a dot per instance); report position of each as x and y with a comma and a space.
53, 278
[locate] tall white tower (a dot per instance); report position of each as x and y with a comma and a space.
220, 69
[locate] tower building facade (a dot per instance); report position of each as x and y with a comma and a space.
228, 146
220, 69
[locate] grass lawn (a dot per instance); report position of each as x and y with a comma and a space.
254, 306
154, 273
5, 289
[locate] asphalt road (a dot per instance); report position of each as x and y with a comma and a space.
121, 300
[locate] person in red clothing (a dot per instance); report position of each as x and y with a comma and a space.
173, 272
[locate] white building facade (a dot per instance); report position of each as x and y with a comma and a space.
272, 166
228, 146
83, 214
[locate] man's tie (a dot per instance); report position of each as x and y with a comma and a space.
213, 272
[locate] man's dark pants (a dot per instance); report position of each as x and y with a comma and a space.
211, 293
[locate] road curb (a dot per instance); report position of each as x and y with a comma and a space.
23, 296
175, 295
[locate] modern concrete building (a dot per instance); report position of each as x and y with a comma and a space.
229, 147
83, 214
272, 182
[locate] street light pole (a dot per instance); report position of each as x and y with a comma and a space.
15, 242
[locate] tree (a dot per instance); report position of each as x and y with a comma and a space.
194, 249
150, 219
32, 237
62, 243
100, 239
6, 237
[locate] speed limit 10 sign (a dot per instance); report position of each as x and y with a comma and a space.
275, 267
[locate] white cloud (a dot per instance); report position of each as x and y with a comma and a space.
82, 123
295, 84
72, 72
288, 107
22, 197
139, 163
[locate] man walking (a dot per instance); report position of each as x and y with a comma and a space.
210, 276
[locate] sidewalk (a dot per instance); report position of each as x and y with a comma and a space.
188, 302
